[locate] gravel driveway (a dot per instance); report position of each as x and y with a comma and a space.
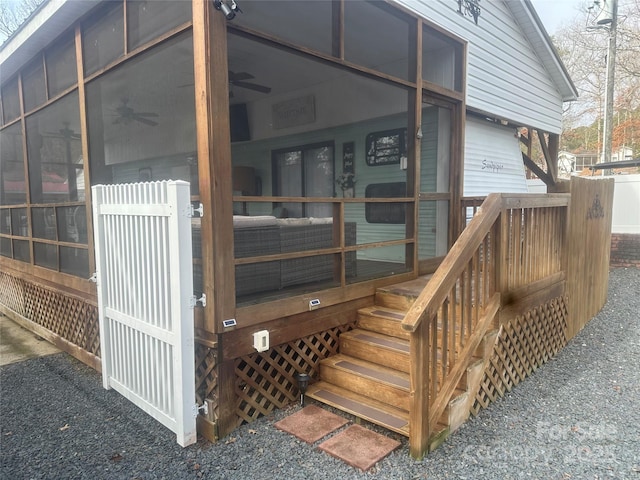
578, 417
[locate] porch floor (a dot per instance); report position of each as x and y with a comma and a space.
366, 270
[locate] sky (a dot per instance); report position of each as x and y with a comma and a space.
554, 13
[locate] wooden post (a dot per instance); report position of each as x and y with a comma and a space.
419, 425
588, 249
214, 171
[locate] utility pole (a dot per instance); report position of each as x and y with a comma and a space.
612, 21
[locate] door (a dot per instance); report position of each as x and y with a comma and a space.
145, 290
437, 156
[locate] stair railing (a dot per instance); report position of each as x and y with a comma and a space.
512, 241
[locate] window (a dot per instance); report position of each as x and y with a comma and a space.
33, 88
62, 70
103, 38
55, 152
10, 101
377, 36
148, 19
141, 130
12, 186
305, 171
441, 60
393, 213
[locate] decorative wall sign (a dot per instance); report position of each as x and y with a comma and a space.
495, 167
596, 210
348, 157
386, 147
297, 111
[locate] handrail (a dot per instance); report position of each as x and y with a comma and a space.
499, 252
436, 290
434, 293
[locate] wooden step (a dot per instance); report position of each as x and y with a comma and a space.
376, 348
368, 379
368, 409
401, 295
386, 321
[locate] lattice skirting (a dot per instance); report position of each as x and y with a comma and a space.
525, 343
265, 381
71, 318
207, 377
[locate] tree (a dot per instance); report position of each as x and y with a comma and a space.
13, 13
584, 53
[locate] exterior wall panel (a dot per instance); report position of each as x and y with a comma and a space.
493, 160
505, 75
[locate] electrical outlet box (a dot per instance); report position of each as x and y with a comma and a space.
261, 340
313, 304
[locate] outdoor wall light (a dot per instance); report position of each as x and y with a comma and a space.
303, 383
227, 7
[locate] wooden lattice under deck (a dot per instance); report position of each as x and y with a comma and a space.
67, 316
206, 374
265, 381
525, 344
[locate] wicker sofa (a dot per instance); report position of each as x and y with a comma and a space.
266, 235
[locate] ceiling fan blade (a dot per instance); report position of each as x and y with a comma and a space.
140, 119
233, 77
253, 86
144, 114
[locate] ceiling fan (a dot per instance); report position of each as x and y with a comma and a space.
239, 80
125, 115
65, 133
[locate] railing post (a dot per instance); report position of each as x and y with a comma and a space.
419, 425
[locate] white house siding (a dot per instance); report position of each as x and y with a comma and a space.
493, 160
505, 77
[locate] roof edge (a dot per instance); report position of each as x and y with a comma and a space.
555, 56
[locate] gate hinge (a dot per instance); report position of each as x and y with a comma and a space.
199, 210
202, 300
201, 409
94, 278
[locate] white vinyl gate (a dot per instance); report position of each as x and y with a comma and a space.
145, 298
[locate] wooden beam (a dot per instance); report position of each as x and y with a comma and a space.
239, 342
552, 165
554, 144
533, 166
214, 172
214, 162
85, 150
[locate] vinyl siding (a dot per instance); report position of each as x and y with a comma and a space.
505, 76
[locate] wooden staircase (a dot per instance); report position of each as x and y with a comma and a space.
370, 377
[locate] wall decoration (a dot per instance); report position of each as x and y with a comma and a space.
297, 111
348, 157
144, 174
386, 147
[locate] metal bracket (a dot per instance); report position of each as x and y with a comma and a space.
201, 409
199, 210
202, 300
94, 278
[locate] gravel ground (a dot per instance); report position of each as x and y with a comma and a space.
577, 417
